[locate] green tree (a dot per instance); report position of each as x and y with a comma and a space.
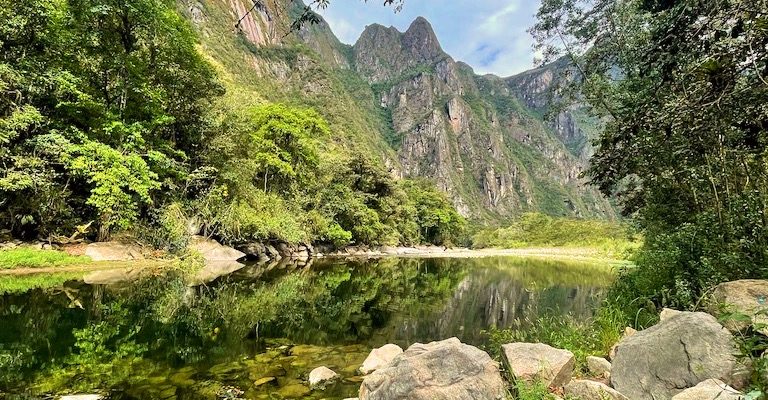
682, 89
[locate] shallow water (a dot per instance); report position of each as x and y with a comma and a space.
257, 332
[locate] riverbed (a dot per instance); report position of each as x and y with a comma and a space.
256, 333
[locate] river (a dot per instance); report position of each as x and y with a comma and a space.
257, 333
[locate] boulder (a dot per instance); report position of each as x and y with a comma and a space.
599, 367
380, 357
113, 251
591, 390
711, 389
254, 250
748, 297
320, 376
675, 354
213, 270
445, 370
113, 276
212, 250
532, 362
628, 331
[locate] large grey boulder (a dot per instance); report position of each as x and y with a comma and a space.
444, 370
711, 389
212, 250
113, 251
380, 357
538, 362
675, 354
590, 390
748, 297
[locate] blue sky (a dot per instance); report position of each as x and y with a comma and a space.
489, 35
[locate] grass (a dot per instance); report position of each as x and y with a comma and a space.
25, 257
10, 284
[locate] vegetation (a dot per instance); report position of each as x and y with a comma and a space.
31, 258
539, 230
128, 133
681, 88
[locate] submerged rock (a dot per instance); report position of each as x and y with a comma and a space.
113, 251
532, 362
446, 370
748, 297
711, 389
591, 390
320, 376
380, 357
677, 353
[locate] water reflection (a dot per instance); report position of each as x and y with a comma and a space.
262, 328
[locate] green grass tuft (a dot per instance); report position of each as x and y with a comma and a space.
33, 258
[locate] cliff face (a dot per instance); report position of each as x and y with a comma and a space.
400, 98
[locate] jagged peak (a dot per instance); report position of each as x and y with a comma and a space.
421, 39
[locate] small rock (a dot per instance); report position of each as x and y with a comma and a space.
748, 297
380, 357
532, 362
599, 367
711, 389
320, 376
591, 390
264, 381
668, 313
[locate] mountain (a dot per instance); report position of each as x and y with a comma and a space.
398, 97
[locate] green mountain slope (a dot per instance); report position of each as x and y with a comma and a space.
399, 98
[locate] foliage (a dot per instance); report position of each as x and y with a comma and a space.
25, 257
682, 88
534, 229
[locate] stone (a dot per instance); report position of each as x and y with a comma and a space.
592, 390
320, 376
380, 357
628, 331
82, 397
113, 276
212, 250
599, 367
213, 270
445, 370
675, 354
113, 251
667, 313
748, 297
532, 362
711, 389
255, 250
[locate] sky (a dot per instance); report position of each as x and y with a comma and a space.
489, 35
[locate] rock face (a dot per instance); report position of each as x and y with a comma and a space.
591, 390
320, 376
533, 362
748, 297
212, 250
113, 251
444, 370
599, 367
380, 357
673, 355
711, 389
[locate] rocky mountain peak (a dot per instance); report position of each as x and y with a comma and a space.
420, 40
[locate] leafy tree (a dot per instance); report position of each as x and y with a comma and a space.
682, 89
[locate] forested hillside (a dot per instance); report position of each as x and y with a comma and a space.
157, 116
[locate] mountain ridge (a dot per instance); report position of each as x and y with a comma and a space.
401, 98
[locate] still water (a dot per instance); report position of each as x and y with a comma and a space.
256, 333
